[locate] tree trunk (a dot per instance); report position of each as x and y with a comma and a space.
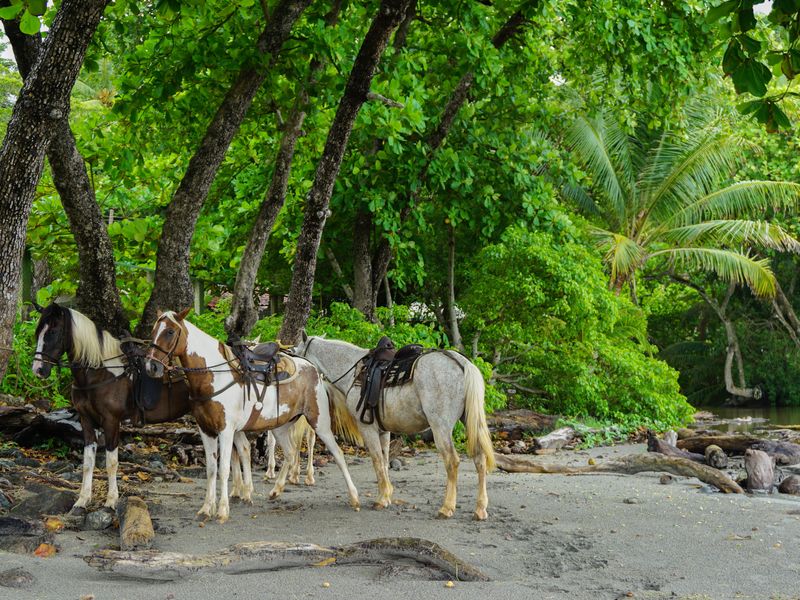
243, 312
434, 140
173, 288
362, 264
452, 315
98, 296
135, 526
389, 16
42, 103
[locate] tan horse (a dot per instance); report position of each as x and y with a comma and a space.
223, 404
446, 387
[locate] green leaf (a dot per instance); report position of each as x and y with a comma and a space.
10, 12
716, 13
753, 77
733, 57
37, 7
750, 45
747, 108
29, 23
747, 19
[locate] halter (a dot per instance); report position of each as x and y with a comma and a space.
167, 362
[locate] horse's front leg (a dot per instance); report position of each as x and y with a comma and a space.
210, 446
372, 439
270, 474
225, 451
111, 430
89, 454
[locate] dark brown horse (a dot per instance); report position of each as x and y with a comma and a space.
103, 390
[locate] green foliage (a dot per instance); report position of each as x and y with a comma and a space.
563, 342
20, 379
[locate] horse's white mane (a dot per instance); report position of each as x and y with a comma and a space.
88, 349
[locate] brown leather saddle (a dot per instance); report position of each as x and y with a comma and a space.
259, 364
383, 367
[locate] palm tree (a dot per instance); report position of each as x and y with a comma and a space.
669, 195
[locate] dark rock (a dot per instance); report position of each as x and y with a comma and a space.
44, 500
25, 461
10, 453
632, 500
395, 464
98, 520
158, 464
58, 466
72, 475
16, 578
5, 503
666, 479
22, 535
7, 465
790, 485
5, 483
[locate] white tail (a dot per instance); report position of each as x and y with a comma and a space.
478, 438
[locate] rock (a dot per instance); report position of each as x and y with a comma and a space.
632, 500
12, 453
7, 465
25, 461
16, 578
790, 485
22, 535
5, 503
44, 500
98, 520
666, 479
58, 466
395, 465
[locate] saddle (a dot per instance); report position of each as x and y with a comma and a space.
263, 363
383, 367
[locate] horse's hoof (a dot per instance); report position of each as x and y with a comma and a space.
78, 511
444, 513
480, 515
380, 505
310, 481
204, 514
222, 519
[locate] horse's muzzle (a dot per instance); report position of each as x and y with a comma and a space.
153, 368
41, 369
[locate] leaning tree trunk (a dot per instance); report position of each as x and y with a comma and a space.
362, 265
243, 311
390, 14
42, 103
97, 295
452, 314
435, 138
173, 287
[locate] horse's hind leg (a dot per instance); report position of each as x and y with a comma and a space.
284, 437
225, 450
236, 474
483, 498
326, 435
111, 430
444, 442
311, 440
240, 465
270, 474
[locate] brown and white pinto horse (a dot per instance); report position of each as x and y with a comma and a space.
222, 404
102, 390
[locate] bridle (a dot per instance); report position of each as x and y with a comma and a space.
167, 362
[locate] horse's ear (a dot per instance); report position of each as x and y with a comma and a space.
37, 307
182, 315
304, 335
159, 312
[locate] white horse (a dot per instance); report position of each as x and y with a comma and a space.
446, 387
222, 405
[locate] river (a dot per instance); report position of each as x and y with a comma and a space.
744, 419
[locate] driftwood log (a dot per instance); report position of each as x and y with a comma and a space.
715, 457
760, 468
62, 424
670, 437
555, 439
627, 465
785, 453
515, 423
271, 556
135, 527
664, 447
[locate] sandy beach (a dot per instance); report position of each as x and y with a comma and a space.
548, 536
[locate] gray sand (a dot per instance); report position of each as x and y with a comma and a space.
548, 536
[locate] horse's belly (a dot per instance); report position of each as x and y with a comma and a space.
266, 413
402, 415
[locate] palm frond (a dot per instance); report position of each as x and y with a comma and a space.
595, 141
580, 197
622, 254
742, 198
733, 232
728, 265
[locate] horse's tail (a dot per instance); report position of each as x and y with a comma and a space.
478, 438
343, 424
299, 432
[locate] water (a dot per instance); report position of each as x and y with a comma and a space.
743, 419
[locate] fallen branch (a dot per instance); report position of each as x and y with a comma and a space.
663, 447
627, 465
135, 526
252, 557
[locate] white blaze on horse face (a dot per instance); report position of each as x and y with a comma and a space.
37, 358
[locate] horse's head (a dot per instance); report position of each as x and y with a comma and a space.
168, 339
53, 338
